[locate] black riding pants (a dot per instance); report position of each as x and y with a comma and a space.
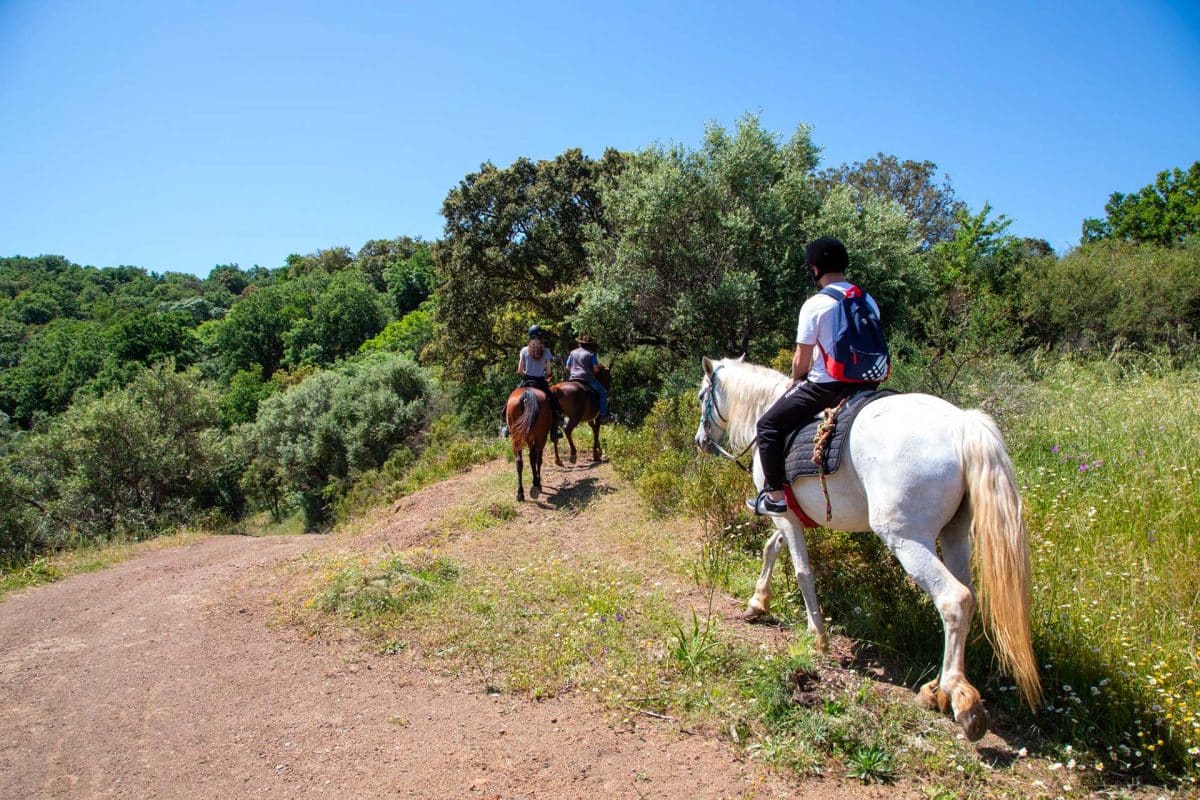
798, 405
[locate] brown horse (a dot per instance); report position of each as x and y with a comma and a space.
529, 418
581, 405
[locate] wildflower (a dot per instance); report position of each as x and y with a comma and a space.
1055, 449
1083, 467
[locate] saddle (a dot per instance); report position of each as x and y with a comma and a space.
798, 463
582, 384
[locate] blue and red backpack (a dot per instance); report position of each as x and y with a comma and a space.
860, 354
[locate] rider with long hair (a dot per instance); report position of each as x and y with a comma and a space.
534, 365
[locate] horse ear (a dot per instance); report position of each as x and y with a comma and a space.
708, 365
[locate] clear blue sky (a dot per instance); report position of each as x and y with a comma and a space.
181, 135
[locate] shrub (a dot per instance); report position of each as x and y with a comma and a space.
134, 461
1137, 296
336, 424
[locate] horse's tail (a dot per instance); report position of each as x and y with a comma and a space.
1003, 556
522, 434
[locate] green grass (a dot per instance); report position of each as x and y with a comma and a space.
1109, 467
546, 625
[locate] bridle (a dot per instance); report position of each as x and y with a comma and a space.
711, 414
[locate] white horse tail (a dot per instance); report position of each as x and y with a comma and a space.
998, 529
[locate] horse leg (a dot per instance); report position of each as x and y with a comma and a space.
571, 441
956, 545
759, 606
595, 439
955, 604
520, 483
794, 534
535, 465
557, 458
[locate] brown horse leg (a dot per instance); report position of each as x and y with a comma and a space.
570, 427
520, 482
535, 465
595, 439
557, 459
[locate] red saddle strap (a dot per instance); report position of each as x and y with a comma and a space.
794, 505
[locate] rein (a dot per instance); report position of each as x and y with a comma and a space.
711, 407
820, 444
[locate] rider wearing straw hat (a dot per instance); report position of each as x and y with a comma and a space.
582, 365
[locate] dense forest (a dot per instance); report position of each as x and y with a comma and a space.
132, 401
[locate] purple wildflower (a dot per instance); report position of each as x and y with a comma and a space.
620, 617
1083, 467
1055, 449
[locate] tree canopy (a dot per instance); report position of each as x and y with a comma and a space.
1164, 212
514, 250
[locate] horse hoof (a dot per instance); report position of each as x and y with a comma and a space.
754, 614
535, 491
572, 458
969, 711
932, 698
974, 722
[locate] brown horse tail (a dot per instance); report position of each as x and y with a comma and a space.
523, 434
1002, 553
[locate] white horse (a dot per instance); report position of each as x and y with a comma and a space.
915, 469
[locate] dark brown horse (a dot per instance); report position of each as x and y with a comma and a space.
529, 418
579, 404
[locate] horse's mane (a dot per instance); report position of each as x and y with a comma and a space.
746, 391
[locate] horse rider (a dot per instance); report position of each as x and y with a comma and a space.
812, 388
582, 365
533, 365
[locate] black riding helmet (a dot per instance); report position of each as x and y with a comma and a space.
827, 254
536, 332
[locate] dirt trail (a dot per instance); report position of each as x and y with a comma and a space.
165, 677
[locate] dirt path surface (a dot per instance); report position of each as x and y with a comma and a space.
168, 676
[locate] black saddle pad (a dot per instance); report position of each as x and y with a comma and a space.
799, 445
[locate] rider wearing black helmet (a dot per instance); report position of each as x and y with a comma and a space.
534, 365
813, 387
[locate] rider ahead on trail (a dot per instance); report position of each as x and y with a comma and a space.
582, 366
533, 365
823, 382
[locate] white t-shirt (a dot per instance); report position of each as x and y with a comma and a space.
815, 326
533, 368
